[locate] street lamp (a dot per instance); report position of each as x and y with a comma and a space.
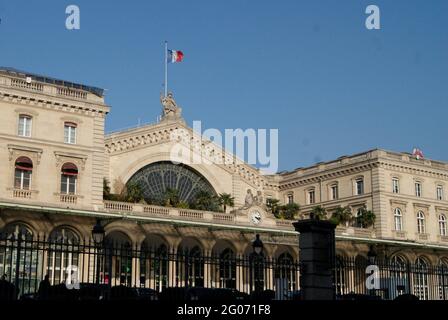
98, 233
98, 238
257, 245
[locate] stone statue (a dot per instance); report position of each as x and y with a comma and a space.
249, 201
259, 198
170, 108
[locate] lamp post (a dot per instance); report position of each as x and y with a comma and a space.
98, 238
257, 246
371, 257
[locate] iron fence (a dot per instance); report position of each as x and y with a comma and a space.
28, 264
391, 278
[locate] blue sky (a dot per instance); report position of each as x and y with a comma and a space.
309, 68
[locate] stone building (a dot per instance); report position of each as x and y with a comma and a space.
55, 155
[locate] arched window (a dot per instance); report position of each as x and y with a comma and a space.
118, 256
398, 276
286, 271
442, 225
421, 222
63, 254
17, 249
398, 219
23, 172
69, 176
421, 279
227, 269
154, 265
443, 279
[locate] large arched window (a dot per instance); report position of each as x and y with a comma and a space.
442, 225
443, 279
154, 265
18, 252
398, 276
155, 179
118, 259
190, 267
63, 254
69, 177
286, 272
421, 228
22, 173
421, 289
398, 220
227, 269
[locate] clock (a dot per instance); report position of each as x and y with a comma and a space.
255, 217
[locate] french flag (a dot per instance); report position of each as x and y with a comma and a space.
175, 56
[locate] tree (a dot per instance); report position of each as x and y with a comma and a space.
288, 211
225, 200
365, 218
171, 197
341, 215
273, 206
318, 213
204, 200
132, 193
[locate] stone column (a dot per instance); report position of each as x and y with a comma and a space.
317, 259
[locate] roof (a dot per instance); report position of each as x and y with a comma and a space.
42, 78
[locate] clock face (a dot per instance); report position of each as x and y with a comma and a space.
255, 217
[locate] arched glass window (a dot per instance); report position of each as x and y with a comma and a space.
154, 266
398, 276
421, 279
421, 222
442, 225
443, 279
69, 177
227, 269
398, 219
118, 257
286, 272
22, 173
63, 254
17, 249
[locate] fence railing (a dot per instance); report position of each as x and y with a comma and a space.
25, 261
391, 278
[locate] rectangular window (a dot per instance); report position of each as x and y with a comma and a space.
290, 198
439, 193
395, 185
68, 184
418, 189
311, 197
24, 126
70, 133
359, 186
22, 179
334, 192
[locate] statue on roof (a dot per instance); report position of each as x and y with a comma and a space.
170, 108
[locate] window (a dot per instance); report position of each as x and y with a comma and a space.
311, 197
442, 225
70, 132
420, 222
395, 185
334, 192
398, 219
290, 198
359, 186
69, 175
24, 126
22, 174
439, 193
418, 189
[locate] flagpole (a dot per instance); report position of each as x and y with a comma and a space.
166, 68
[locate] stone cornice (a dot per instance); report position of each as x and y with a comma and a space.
413, 168
49, 102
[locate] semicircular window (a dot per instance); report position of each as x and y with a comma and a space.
156, 178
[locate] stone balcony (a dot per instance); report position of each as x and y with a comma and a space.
355, 232
137, 209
